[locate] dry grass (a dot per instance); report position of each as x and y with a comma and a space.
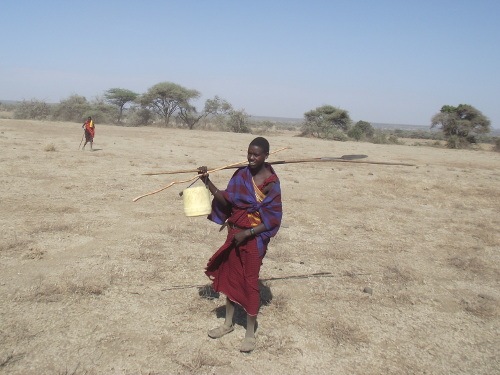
87, 275
59, 288
201, 363
49, 147
345, 334
484, 307
14, 245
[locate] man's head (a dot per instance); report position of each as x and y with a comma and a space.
258, 151
262, 143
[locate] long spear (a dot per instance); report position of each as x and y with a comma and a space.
195, 177
344, 158
243, 163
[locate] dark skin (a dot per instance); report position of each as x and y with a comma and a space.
256, 157
256, 162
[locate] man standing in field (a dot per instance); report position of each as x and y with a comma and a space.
89, 132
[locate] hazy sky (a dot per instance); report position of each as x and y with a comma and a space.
386, 61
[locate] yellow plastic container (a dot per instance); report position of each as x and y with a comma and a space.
196, 201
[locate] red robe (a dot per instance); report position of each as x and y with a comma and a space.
89, 130
235, 270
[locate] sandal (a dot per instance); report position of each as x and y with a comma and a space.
220, 331
247, 345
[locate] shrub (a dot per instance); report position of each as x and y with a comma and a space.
140, 116
33, 110
102, 112
455, 141
337, 135
384, 137
75, 108
355, 133
238, 122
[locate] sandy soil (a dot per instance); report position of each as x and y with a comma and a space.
88, 277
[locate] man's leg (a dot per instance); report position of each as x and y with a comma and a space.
229, 313
248, 343
251, 320
228, 322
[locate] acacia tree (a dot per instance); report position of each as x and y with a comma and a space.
460, 124
189, 116
165, 98
217, 108
120, 97
326, 122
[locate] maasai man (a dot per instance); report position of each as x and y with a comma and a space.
89, 132
251, 209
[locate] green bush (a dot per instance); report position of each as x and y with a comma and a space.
238, 122
355, 133
140, 116
419, 134
385, 137
102, 112
76, 108
337, 135
32, 110
455, 141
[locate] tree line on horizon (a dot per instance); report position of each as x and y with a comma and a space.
169, 104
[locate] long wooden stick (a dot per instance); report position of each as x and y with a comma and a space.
292, 277
342, 159
239, 165
197, 176
83, 135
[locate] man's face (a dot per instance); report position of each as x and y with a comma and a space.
256, 157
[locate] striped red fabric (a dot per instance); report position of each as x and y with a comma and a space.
235, 272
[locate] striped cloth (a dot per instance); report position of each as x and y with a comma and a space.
235, 270
241, 194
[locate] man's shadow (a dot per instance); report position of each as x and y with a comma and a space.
240, 316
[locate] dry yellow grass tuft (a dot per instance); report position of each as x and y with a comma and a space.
342, 333
50, 147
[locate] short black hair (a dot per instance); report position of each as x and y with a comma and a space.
262, 143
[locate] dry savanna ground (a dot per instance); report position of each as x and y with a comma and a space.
398, 265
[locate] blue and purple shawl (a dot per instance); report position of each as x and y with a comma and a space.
240, 194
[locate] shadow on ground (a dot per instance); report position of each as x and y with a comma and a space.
240, 316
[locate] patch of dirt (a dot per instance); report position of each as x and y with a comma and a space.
93, 283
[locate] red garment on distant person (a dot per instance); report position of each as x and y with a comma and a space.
235, 270
89, 130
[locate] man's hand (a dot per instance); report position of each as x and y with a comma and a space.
203, 172
241, 237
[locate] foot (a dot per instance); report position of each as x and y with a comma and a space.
220, 331
247, 345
